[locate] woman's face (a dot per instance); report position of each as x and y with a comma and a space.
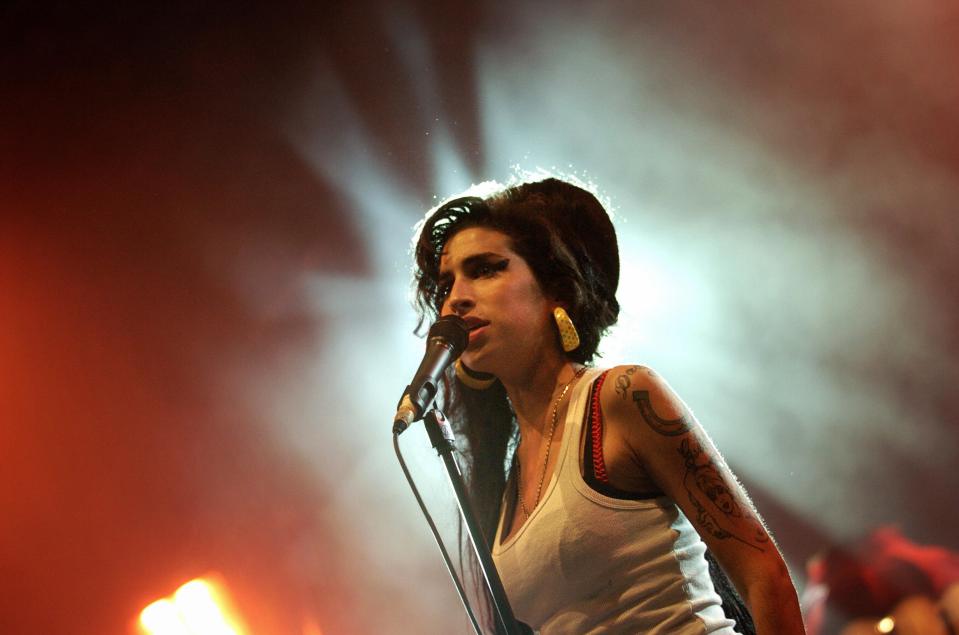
491, 287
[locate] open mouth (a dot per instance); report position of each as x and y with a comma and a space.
475, 327
473, 324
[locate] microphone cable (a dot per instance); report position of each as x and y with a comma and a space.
436, 536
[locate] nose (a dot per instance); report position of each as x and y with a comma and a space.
460, 300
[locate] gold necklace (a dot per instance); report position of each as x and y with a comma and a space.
549, 447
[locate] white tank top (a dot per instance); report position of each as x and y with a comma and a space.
587, 563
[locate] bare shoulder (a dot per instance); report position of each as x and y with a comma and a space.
632, 388
660, 431
665, 436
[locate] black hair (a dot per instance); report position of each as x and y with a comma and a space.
563, 234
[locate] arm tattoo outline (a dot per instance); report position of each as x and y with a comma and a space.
665, 427
703, 476
623, 382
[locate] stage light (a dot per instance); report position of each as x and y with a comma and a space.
199, 607
162, 618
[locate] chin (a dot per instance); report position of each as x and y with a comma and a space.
479, 363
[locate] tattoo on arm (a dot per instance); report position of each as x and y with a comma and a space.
717, 509
666, 427
704, 479
623, 382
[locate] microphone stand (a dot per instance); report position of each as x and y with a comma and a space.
441, 436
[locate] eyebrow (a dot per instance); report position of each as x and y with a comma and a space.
468, 262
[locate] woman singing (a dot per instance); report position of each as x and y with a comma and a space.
598, 490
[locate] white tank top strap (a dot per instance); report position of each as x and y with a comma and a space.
569, 449
575, 415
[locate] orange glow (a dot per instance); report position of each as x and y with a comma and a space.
310, 627
199, 607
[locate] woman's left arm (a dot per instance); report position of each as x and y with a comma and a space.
671, 446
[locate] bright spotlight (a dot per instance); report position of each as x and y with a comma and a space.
162, 618
199, 607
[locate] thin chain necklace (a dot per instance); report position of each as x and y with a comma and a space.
549, 447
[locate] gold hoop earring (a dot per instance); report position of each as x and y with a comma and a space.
473, 379
567, 330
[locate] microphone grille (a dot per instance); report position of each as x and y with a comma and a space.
453, 330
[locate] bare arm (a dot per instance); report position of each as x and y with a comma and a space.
675, 451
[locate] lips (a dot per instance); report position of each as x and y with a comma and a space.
475, 326
473, 323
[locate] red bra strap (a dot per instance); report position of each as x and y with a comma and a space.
596, 431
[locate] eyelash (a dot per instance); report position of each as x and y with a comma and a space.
479, 270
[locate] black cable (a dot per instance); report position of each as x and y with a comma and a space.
436, 536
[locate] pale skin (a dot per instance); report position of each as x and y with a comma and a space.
651, 440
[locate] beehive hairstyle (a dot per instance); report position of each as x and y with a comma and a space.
559, 229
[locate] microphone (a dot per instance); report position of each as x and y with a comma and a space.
446, 341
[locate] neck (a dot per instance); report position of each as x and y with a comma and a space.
532, 393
